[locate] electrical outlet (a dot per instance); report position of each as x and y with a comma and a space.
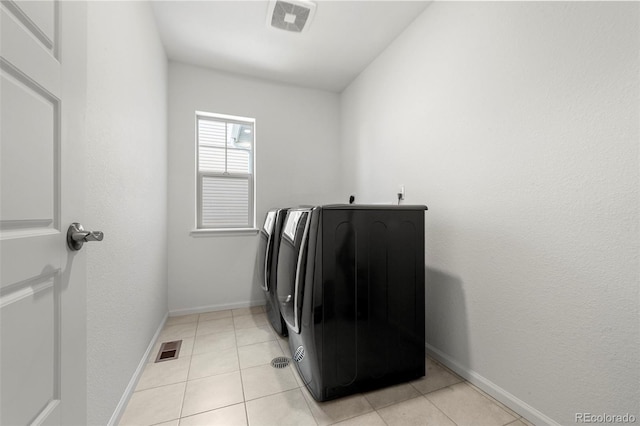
401, 193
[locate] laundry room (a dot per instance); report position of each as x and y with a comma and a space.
329, 212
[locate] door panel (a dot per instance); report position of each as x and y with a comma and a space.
39, 17
42, 295
29, 339
24, 47
33, 202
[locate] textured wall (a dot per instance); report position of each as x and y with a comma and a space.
297, 162
126, 196
517, 124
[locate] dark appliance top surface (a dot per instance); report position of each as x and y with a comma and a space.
374, 207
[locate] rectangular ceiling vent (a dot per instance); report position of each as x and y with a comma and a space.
290, 15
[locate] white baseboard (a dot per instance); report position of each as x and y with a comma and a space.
211, 308
511, 401
122, 404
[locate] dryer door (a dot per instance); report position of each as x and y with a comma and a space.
291, 265
263, 258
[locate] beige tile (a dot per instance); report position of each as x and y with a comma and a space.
259, 353
233, 415
212, 363
296, 374
186, 349
222, 325
521, 422
249, 336
214, 342
495, 401
284, 345
391, 395
182, 319
525, 422
283, 409
248, 321
466, 406
369, 419
154, 352
177, 332
437, 377
164, 373
337, 410
151, 406
208, 316
171, 423
265, 380
416, 411
248, 311
212, 392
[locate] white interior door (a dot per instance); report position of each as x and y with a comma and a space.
42, 283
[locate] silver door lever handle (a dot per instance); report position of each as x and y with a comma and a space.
77, 236
87, 236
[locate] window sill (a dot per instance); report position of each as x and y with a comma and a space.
198, 233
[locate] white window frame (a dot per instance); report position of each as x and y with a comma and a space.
200, 230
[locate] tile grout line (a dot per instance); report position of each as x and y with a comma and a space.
313, 416
519, 419
380, 415
420, 394
494, 401
244, 397
189, 370
489, 399
438, 408
376, 410
186, 383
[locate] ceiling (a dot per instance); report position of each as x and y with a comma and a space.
342, 38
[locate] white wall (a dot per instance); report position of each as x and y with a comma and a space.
297, 162
517, 124
126, 196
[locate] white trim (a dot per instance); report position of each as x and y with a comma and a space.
199, 233
29, 290
8, 234
131, 387
225, 116
502, 395
212, 308
25, 223
46, 412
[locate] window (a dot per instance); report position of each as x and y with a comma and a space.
226, 171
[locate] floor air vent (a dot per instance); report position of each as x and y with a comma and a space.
169, 351
280, 362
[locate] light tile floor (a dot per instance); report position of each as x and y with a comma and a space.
223, 376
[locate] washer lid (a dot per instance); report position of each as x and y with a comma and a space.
269, 222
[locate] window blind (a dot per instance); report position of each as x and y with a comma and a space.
225, 202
